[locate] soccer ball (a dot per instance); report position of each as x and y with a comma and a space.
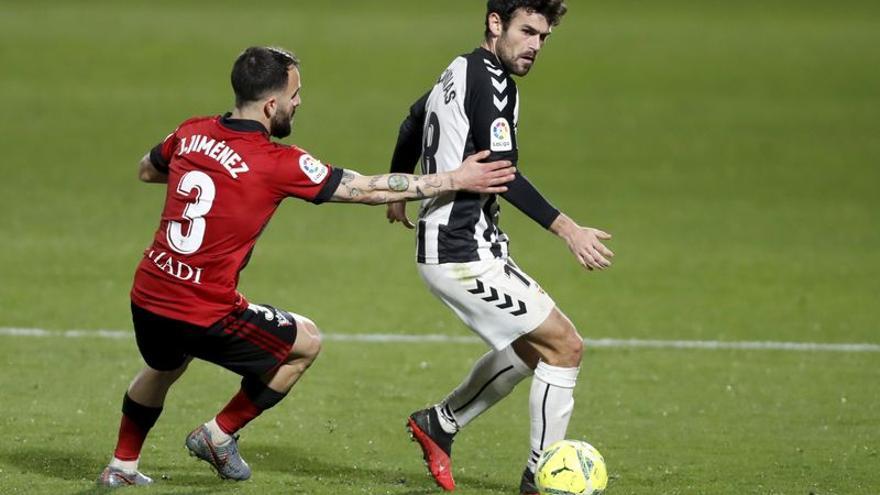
571, 467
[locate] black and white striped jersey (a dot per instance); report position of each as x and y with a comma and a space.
473, 106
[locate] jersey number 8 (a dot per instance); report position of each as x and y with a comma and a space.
431, 145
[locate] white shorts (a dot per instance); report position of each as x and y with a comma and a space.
493, 297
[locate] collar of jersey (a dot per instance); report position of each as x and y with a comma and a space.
241, 125
491, 57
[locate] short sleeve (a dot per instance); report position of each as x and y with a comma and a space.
160, 155
303, 176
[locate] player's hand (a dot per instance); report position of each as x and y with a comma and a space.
485, 178
396, 212
586, 245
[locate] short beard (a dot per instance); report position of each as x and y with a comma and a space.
508, 64
517, 72
280, 127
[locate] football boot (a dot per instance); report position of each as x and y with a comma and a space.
225, 458
114, 478
527, 484
424, 427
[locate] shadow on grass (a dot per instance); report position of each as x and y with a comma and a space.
192, 477
84, 468
48, 462
345, 475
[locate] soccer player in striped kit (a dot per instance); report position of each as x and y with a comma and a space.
463, 255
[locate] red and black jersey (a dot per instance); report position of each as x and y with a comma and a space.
225, 180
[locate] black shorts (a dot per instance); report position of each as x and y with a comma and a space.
250, 342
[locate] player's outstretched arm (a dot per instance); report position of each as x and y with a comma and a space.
473, 176
584, 242
147, 172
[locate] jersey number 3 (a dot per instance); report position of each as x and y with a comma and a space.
193, 214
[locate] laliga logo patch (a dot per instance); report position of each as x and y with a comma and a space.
313, 168
501, 140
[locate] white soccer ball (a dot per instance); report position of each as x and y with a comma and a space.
571, 467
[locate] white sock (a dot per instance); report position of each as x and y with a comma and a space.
218, 436
491, 379
551, 401
127, 466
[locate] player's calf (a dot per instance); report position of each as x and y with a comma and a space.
551, 396
216, 443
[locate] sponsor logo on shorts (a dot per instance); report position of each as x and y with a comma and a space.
271, 314
282, 320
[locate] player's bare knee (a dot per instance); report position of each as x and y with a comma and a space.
576, 348
314, 349
160, 377
565, 347
308, 342
570, 343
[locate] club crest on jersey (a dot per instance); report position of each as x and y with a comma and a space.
313, 168
500, 134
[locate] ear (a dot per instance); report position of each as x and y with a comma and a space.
270, 107
495, 24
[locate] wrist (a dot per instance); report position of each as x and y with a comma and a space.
564, 226
451, 180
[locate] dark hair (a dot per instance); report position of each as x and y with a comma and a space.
553, 10
260, 70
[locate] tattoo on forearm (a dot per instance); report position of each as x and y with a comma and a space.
391, 187
432, 180
347, 176
374, 182
397, 182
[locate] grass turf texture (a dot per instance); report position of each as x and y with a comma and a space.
723, 422
731, 149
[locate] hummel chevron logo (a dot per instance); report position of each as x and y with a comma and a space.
499, 104
489, 63
480, 290
496, 72
521, 310
500, 86
508, 303
493, 296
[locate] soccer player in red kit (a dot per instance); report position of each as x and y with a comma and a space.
226, 177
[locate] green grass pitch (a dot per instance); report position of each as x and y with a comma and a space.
732, 148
